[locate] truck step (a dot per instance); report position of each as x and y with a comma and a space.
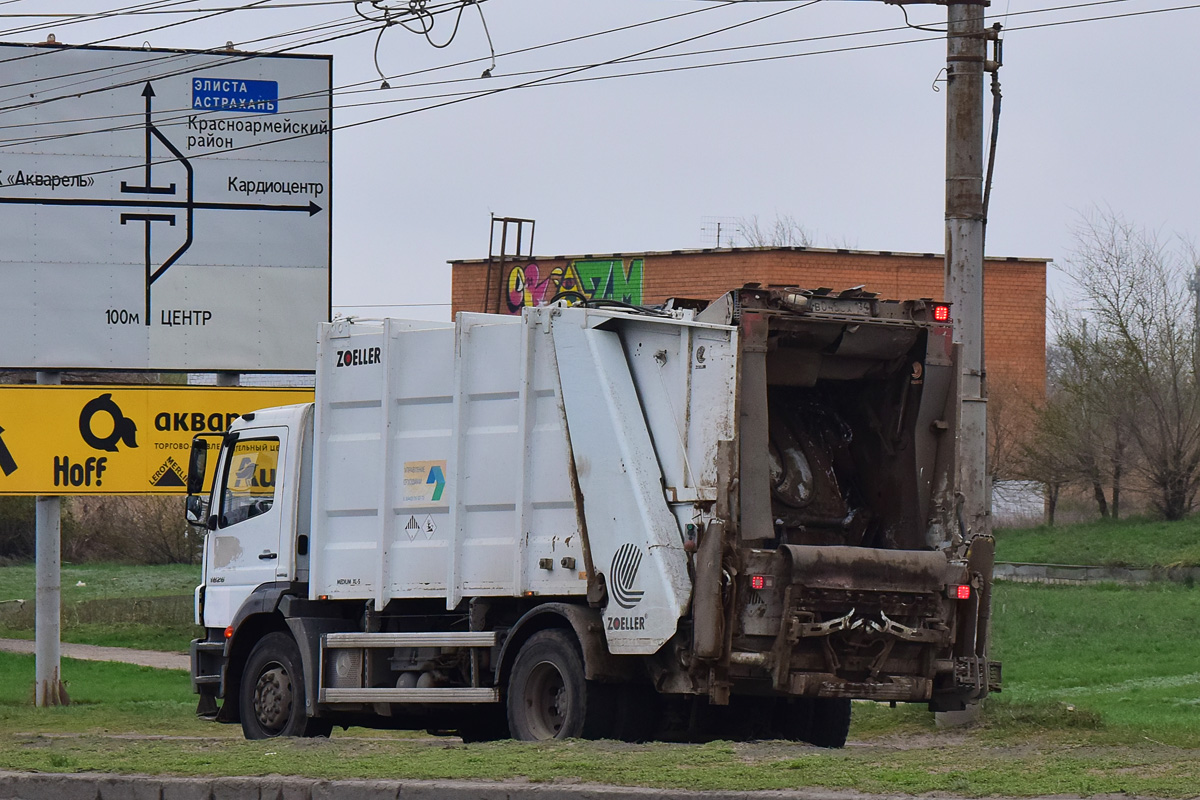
431, 695
432, 639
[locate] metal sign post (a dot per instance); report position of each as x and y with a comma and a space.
48, 687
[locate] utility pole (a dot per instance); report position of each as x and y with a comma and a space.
966, 52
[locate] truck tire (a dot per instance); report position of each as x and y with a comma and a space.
830, 722
548, 695
272, 692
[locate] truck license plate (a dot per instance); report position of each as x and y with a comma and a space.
829, 305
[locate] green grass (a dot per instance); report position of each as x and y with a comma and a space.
1120, 543
108, 604
105, 697
134, 720
1127, 655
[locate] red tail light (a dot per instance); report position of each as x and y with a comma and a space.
941, 313
962, 592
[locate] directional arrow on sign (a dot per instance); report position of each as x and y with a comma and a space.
7, 464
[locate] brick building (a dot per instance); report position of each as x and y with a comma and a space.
1014, 291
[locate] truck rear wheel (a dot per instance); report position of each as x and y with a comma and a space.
830, 722
823, 721
272, 692
548, 695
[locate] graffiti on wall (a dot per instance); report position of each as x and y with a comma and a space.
529, 285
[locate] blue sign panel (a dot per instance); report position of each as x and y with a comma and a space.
235, 94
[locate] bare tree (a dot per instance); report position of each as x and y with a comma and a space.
1046, 454
784, 231
1139, 361
140, 530
1091, 418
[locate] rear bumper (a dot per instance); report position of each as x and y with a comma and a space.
882, 625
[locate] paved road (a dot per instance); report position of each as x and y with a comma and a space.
91, 652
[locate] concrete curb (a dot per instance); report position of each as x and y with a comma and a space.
46, 786
1018, 572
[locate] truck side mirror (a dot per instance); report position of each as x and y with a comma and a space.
196, 510
196, 467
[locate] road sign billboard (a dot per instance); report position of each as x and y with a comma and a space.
163, 210
60, 440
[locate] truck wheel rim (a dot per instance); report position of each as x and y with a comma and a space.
546, 701
273, 698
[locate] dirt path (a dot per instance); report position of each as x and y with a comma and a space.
91, 652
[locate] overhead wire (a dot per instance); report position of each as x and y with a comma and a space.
562, 77
475, 60
108, 73
100, 15
347, 88
255, 5
535, 81
148, 12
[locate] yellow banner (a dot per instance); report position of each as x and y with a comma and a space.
59, 440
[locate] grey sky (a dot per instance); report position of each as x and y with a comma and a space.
848, 143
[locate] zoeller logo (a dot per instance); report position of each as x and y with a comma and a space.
624, 572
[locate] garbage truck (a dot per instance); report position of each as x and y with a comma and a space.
725, 519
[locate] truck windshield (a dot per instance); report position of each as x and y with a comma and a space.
249, 488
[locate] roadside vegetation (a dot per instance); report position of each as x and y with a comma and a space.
144, 607
1122, 410
1102, 688
1134, 542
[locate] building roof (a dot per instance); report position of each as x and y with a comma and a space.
712, 250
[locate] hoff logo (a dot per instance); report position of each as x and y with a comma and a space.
624, 572
357, 357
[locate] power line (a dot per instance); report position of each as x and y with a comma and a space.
142, 78
547, 81
331, 25
106, 74
169, 121
562, 75
136, 13
349, 88
527, 83
105, 15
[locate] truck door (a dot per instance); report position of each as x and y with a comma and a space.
242, 551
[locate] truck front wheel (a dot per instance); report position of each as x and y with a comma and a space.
548, 695
272, 692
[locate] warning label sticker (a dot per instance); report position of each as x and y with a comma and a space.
424, 484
